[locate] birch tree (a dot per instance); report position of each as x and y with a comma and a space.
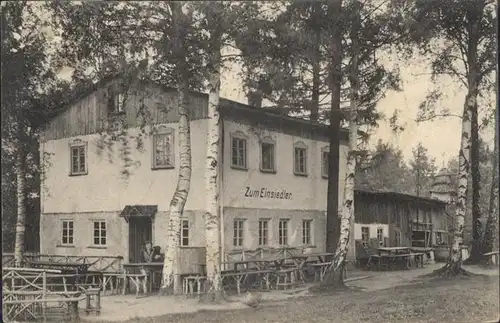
459, 37
25, 78
170, 277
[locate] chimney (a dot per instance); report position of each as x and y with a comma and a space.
254, 99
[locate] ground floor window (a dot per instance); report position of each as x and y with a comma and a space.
67, 232
238, 232
184, 233
380, 236
99, 233
306, 232
263, 232
365, 235
283, 232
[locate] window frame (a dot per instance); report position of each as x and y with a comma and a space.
78, 144
116, 99
267, 141
324, 171
163, 131
100, 230
302, 146
397, 237
244, 138
182, 233
380, 237
72, 236
309, 232
367, 241
286, 233
261, 229
239, 233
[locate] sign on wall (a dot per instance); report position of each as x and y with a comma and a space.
264, 193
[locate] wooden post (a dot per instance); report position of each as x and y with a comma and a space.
44, 295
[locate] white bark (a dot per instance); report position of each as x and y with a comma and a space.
463, 174
212, 214
169, 273
21, 197
180, 196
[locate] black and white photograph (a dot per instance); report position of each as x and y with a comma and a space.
250, 161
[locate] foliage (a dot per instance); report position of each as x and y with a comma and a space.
289, 58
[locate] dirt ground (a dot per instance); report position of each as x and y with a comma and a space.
384, 297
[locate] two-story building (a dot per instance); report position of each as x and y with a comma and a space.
273, 175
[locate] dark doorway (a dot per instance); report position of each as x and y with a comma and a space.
140, 231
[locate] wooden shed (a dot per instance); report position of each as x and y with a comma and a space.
411, 220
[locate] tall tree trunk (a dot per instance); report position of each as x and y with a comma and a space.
170, 277
490, 237
475, 255
212, 214
332, 208
453, 266
316, 68
335, 276
19, 245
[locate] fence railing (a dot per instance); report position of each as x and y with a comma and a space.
261, 253
97, 263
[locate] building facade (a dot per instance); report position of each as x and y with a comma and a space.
106, 193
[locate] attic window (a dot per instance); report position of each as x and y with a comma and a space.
115, 100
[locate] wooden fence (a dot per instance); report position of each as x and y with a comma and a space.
26, 294
97, 263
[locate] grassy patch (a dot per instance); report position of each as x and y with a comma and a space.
471, 299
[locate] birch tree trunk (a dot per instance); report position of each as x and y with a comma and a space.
335, 274
212, 214
453, 266
21, 196
170, 276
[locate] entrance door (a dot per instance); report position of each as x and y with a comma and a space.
140, 231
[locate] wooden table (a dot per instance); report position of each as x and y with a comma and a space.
393, 261
79, 269
393, 250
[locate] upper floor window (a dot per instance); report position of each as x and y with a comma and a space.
78, 159
163, 148
238, 151
325, 162
267, 156
300, 159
